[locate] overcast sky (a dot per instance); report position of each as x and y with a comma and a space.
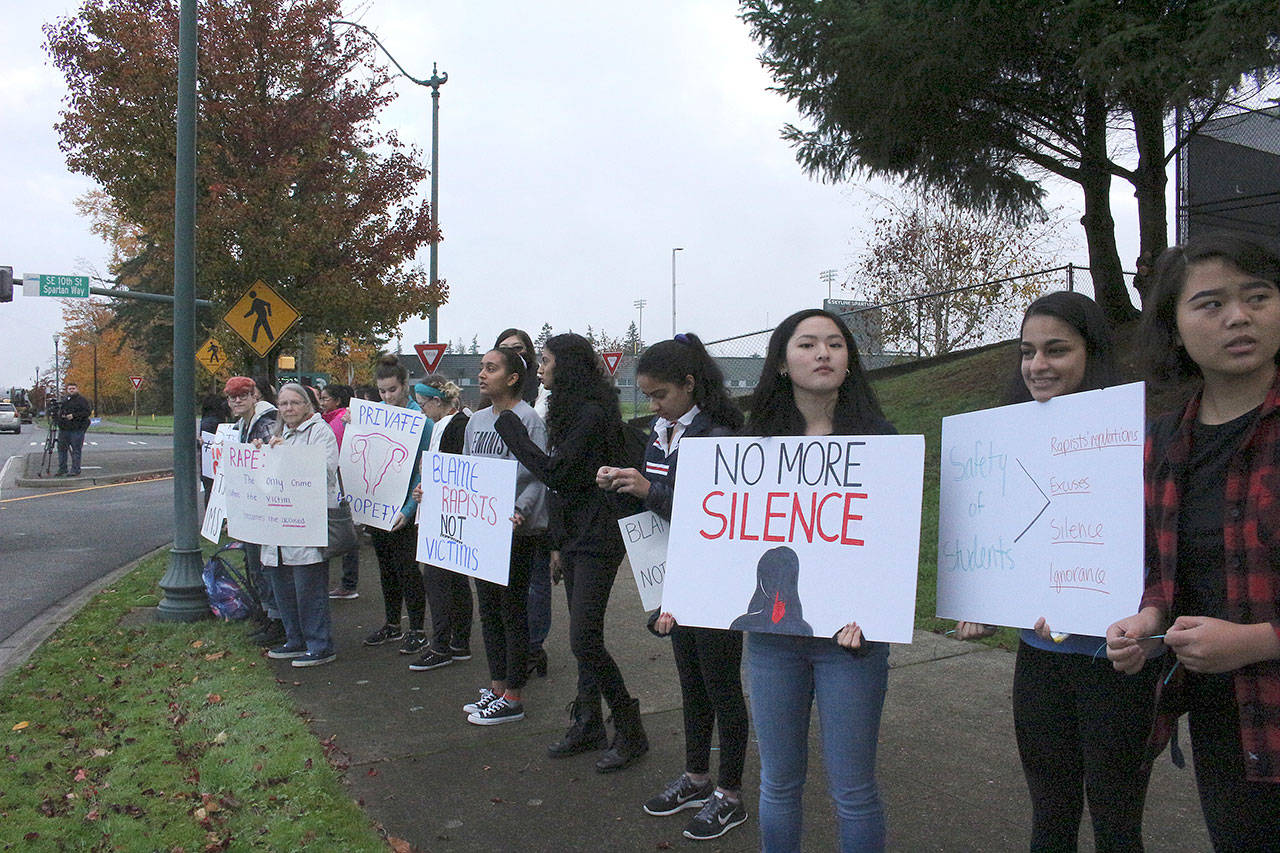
579, 143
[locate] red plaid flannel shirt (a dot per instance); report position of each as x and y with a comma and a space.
1251, 536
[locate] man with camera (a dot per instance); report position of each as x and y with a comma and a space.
72, 418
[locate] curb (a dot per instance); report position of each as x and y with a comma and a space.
19, 645
58, 483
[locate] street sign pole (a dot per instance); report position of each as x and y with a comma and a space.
135, 409
184, 595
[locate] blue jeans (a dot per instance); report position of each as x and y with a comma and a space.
302, 594
786, 673
73, 440
539, 596
351, 569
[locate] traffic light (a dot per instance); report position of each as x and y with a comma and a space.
6, 284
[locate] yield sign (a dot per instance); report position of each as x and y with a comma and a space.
137, 382
430, 355
611, 360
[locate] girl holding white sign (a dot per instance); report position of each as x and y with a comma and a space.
300, 575
1080, 729
1213, 529
685, 389
504, 616
585, 429
812, 384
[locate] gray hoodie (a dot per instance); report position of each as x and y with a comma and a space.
483, 440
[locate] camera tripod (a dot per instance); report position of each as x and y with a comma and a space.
50, 447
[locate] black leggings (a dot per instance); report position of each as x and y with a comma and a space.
1082, 729
710, 665
504, 617
401, 581
1241, 816
588, 580
449, 599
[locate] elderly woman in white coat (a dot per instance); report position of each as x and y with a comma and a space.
300, 575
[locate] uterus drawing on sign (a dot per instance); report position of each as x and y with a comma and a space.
377, 454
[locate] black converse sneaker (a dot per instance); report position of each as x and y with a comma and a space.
718, 816
500, 710
683, 793
486, 696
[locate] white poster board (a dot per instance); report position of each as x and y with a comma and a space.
276, 495
797, 535
645, 535
379, 448
464, 519
215, 511
1040, 512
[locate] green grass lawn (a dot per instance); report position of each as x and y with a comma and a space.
146, 423
162, 737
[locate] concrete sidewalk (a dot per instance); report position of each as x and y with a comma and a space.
948, 767
108, 466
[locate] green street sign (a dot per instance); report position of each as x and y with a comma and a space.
58, 286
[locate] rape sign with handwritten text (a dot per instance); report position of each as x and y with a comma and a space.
276, 495
797, 535
1040, 512
464, 519
379, 449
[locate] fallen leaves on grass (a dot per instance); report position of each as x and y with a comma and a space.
17, 727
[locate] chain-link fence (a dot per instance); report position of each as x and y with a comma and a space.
917, 327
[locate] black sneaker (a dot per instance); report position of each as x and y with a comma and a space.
500, 710
431, 659
460, 652
287, 652
486, 696
414, 643
718, 816
310, 659
683, 793
385, 634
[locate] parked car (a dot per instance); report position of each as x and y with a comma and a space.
9, 420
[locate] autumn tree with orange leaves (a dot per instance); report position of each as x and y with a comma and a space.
296, 184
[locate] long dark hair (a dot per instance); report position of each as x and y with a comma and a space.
1082, 314
684, 356
514, 363
773, 411
1165, 359
341, 393
529, 390
577, 383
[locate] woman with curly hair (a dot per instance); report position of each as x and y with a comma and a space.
585, 427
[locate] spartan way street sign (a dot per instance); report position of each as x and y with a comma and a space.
57, 286
261, 316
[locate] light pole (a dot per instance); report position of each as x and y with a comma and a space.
828, 276
434, 82
635, 385
673, 288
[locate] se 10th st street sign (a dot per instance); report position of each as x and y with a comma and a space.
261, 316
56, 286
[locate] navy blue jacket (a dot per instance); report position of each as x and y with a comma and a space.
660, 470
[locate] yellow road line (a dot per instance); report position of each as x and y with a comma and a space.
84, 489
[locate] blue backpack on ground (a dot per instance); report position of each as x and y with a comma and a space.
232, 596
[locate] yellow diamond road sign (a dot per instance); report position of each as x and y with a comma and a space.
261, 317
212, 355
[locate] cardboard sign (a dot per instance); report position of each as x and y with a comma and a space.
797, 535
215, 511
1040, 512
379, 449
645, 535
464, 519
276, 495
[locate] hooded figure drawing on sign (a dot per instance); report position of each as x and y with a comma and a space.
775, 605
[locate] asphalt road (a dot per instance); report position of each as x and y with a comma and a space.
53, 544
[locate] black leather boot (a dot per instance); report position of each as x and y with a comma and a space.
586, 731
629, 739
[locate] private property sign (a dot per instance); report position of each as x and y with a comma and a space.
57, 286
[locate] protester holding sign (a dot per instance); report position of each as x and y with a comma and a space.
1080, 726
812, 384
255, 418
1213, 526
448, 593
503, 613
685, 388
300, 575
585, 427
397, 548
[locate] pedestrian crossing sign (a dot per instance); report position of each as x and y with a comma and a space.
212, 356
261, 316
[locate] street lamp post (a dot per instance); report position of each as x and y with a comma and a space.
434, 82
673, 288
635, 383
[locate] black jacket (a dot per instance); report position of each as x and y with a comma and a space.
74, 414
